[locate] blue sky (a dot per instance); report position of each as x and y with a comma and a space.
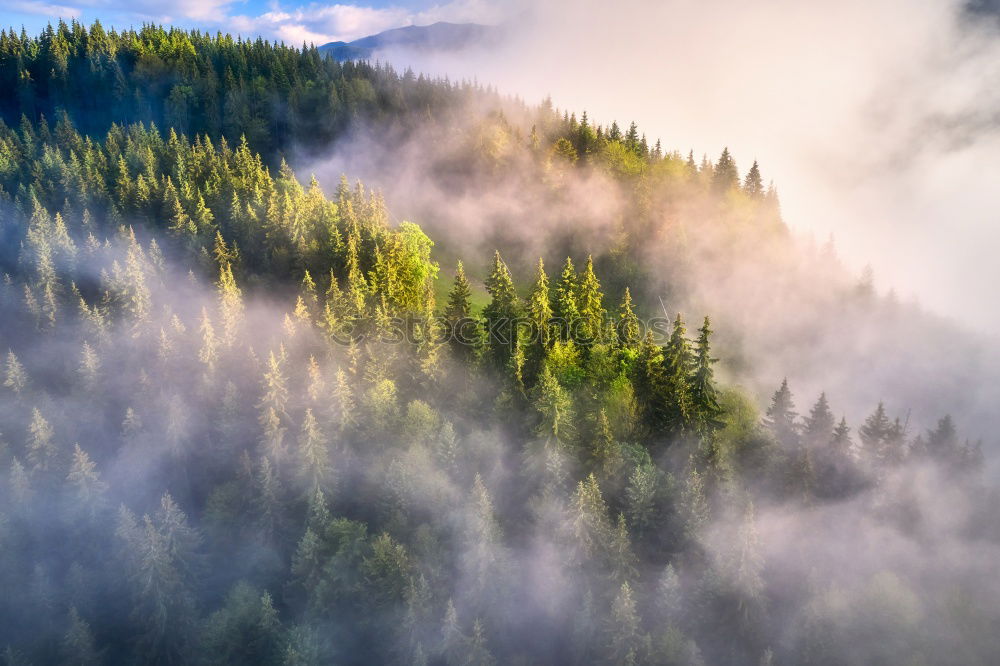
293, 21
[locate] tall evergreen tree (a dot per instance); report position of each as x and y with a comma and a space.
725, 177
590, 301
564, 305
781, 416
819, 425
679, 363
703, 391
753, 185
500, 314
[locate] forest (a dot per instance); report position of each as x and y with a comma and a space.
249, 415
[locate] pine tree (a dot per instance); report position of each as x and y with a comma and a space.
459, 298
694, 507
343, 398
452, 639
268, 499
874, 434
501, 314
87, 485
623, 629
703, 392
942, 442
781, 416
484, 559
555, 408
627, 326
539, 307
591, 304
20, 483
478, 653
679, 362
605, 455
90, 367
753, 185
79, 648
208, 353
273, 440
590, 525
313, 453
725, 177
16, 377
841, 441
819, 425
275, 384
641, 495
230, 305
669, 600
41, 443
565, 308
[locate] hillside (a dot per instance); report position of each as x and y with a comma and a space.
252, 411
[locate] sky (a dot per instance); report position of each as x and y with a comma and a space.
291, 22
877, 119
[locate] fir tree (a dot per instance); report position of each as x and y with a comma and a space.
781, 416
753, 185
87, 485
627, 326
16, 378
679, 362
500, 314
565, 308
725, 177
819, 425
703, 392
591, 305
41, 443
540, 308
313, 453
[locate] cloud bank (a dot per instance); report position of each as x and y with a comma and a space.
877, 121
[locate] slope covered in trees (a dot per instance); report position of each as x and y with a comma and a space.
247, 420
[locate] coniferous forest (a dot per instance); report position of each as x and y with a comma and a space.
250, 413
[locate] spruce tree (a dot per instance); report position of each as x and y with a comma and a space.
565, 308
41, 443
540, 308
591, 305
703, 391
725, 177
841, 441
501, 314
627, 327
88, 488
459, 298
313, 453
753, 185
781, 416
555, 407
679, 362
16, 378
874, 433
819, 425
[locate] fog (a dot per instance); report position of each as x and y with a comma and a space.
877, 121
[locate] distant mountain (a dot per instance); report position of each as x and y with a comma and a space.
436, 37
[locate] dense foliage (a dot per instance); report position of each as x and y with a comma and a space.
238, 427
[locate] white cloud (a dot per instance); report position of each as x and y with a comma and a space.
43, 9
321, 23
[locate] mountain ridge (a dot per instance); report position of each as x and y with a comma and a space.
440, 36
